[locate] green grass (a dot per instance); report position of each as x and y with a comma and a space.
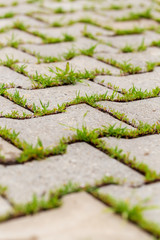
20, 25
142, 46
115, 7
146, 14
59, 10
127, 48
50, 59
133, 213
48, 40
17, 98
150, 66
12, 42
88, 34
8, 15
56, 24
70, 54
9, 62
20, 69
3, 190
88, 52
125, 66
67, 76
88, 20
156, 43
136, 94
134, 30
68, 38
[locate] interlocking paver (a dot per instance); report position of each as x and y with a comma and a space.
144, 149
134, 40
7, 107
50, 129
18, 80
21, 8
74, 165
79, 63
143, 81
143, 23
29, 21
8, 152
61, 48
5, 22
76, 30
55, 130
62, 94
152, 54
17, 35
146, 110
80, 217
147, 195
16, 54
5, 207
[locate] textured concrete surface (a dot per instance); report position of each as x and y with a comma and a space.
146, 110
80, 217
62, 94
59, 170
50, 129
148, 80
70, 38
147, 196
17, 79
8, 151
144, 149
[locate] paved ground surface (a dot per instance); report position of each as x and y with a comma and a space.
79, 120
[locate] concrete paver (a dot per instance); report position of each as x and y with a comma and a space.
146, 110
145, 81
54, 172
143, 149
80, 217
50, 129
38, 35
147, 195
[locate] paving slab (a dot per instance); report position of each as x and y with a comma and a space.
8, 152
50, 129
11, 78
146, 110
134, 40
9, 2
5, 207
80, 217
152, 54
141, 81
142, 150
16, 54
79, 63
62, 94
29, 21
67, 6
22, 8
59, 49
20, 36
147, 195
82, 164
6, 22
74, 16
7, 107
75, 30
142, 23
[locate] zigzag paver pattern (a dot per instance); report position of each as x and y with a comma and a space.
79, 119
